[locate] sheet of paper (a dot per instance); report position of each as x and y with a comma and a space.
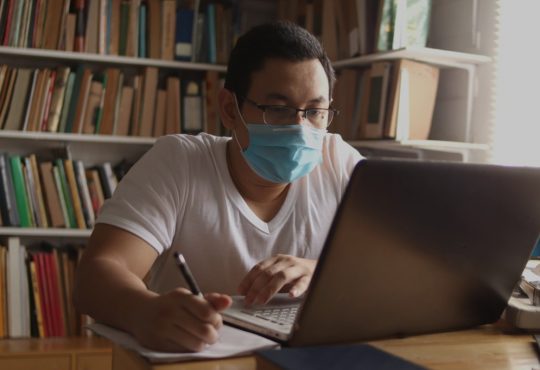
232, 342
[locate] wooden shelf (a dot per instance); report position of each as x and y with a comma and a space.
66, 57
45, 232
438, 57
66, 137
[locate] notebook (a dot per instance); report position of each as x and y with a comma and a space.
415, 247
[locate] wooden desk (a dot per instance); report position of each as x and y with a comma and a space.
487, 347
56, 354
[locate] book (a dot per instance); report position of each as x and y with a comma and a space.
80, 25
91, 34
212, 123
51, 31
39, 309
82, 101
160, 114
21, 197
65, 193
54, 208
17, 290
95, 189
192, 106
74, 193
44, 114
58, 98
132, 40
6, 95
82, 186
92, 107
10, 213
125, 110
66, 103
107, 178
114, 39
349, 356
61, 197
174, 110
71, 29
373, 120
112, 76
17, 108
32, 163
168, 29
184, 30
414, 102
154, 29
233, 342
148, 101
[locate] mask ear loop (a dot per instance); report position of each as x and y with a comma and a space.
243, 122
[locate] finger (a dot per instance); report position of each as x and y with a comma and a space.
276, 273
277, 283
202, 310
218, 301
252, 275
299, 287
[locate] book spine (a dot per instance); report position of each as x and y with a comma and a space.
20, 191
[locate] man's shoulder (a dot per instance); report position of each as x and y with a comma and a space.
185, 143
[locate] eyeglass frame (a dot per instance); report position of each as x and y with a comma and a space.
263, 108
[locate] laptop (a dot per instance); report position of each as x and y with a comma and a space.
414, 247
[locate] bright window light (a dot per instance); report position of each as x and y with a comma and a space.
516, 135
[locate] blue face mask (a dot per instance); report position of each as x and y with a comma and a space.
283, 153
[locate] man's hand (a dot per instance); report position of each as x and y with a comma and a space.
280, 273
179, 321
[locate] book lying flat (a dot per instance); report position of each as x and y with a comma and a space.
335, 357
231, 342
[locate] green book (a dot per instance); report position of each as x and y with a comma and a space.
68, 94
124, 23
417, 23
21, 198
387, 17
66, 194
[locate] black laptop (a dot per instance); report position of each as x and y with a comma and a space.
416, 247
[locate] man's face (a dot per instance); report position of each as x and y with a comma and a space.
281, 82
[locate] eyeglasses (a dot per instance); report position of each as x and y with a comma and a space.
319, 118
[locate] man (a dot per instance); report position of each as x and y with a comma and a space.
250, 213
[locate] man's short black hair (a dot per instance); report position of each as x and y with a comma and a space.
279, 40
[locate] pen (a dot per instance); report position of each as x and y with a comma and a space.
186, 273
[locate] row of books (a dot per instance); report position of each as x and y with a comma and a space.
350, 28
107, 102
191, 30
389, 100
59, 193
36, 285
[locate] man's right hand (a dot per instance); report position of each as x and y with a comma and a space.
179, 321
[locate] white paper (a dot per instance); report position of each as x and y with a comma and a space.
231, 342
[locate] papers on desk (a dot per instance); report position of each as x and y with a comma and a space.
232, 342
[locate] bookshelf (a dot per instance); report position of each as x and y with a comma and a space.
443, 59
94, 149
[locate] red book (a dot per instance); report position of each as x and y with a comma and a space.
42, 284
9, 18
55, 295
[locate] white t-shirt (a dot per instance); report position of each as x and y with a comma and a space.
180, 197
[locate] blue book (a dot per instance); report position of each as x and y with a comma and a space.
142, 31
338, 357
211, 31
184, 32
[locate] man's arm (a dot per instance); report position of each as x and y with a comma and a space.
272, 275
109, 287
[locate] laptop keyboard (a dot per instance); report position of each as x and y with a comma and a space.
281, 316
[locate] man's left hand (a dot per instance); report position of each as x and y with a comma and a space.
280, 273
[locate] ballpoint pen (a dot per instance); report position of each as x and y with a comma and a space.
186, 273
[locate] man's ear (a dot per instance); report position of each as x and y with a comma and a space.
227, 108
